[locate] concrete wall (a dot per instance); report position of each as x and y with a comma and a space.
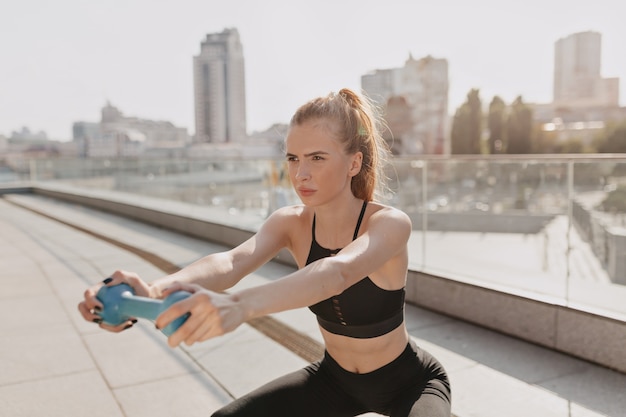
482, 222
592, 337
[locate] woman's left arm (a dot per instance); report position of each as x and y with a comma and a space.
385, 239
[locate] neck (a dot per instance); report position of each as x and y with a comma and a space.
334, 223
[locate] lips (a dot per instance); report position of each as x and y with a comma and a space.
305, 192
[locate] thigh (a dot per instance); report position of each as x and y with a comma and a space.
431, 396
430, 406
432, 403
304, 393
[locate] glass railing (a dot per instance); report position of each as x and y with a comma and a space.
550, 227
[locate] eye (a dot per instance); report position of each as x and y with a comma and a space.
291, 158
317, 158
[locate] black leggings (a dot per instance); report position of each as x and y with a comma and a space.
414, 384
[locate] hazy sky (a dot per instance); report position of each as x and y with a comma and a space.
62, 60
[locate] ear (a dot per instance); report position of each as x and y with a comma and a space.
355, 164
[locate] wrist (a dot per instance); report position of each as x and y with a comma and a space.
235, 300
246, 309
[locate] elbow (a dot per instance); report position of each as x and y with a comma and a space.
330, 277
340, 277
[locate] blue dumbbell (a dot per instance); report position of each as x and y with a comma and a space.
120, 304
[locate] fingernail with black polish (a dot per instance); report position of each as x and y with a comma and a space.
97, 308
107, 280
133, 321
128, 326
97, 321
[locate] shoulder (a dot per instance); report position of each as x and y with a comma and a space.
295, 212
288, 217
387, 219
382, 212
286, 226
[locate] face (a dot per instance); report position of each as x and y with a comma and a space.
319, 168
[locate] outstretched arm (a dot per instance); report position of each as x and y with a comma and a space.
215, 272
220, 271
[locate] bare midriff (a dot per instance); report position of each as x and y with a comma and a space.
362, 356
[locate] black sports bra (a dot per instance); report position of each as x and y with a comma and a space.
363, 310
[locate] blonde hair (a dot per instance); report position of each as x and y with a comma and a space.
358, 129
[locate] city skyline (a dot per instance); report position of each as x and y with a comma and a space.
63, 63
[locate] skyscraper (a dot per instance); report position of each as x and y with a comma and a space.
577, 77
219, 89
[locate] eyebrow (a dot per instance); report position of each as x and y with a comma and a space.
306, 155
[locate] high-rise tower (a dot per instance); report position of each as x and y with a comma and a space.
577, 77
219, 89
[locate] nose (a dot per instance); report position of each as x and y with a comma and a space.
302, 172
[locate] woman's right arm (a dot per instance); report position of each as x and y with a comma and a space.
216, 272
221, 271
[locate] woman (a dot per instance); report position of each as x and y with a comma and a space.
352, 261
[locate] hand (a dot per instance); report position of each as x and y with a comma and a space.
211, 314
90, 305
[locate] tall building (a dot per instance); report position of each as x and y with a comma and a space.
419, 91
219, 89
583, 102
577, 73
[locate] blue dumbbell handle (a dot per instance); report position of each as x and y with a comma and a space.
120, 304
136, 306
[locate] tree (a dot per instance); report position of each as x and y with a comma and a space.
475, 120
467, 126
615, 141
574, 145
495, 123
458, 144
544, 141
519, 128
